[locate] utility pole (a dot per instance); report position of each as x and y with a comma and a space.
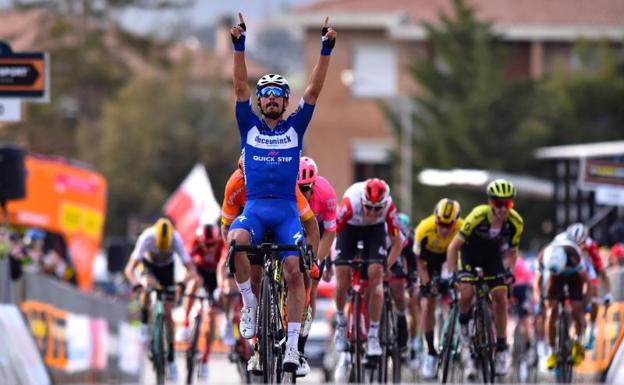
407, 132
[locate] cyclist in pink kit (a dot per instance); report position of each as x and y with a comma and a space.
322, 200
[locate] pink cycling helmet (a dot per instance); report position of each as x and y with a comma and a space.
307, 171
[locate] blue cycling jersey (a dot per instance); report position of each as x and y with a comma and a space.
271, 156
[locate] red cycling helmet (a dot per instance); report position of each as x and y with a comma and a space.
375, 192
209, 234
307, 171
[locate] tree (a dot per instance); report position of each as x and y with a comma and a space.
584, 104
468, 114
154, 131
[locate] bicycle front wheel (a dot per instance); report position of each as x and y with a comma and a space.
191, 351
266, 335
490, 340
447, 345
564, 347
355, 335
158, 353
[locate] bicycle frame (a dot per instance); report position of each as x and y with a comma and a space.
483, 339
564, 343
158, 333
356, 318
449, 338
192, 350
271, 325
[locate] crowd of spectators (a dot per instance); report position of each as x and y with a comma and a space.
36, 251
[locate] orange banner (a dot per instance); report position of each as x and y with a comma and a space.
609, 336
65, 199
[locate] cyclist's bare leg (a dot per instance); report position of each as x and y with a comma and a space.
551, 320
313, 293
210, 333
191, 289
578, 317
428, 314
170, 329
397, 292
375, 287
241, 262
466, 295
295, 299
147, 281
229, 296
255, 275
343, 282
499, 308
243, 267
415, 314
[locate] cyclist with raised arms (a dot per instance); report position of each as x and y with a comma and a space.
366, 214
561, 264
271, 148
432, 237
322, 199
234, 200
489, 238
155, 250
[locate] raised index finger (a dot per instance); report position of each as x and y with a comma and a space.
240, 17
326, 21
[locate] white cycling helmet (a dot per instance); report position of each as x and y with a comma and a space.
577, 233
273, 79
555, 259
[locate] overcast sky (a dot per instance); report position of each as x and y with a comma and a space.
204, 12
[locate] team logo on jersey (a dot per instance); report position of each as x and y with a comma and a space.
289, 139
383, 251
298, 237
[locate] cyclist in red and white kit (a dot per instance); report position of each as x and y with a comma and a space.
208, 254
322, 199
366, 214
579, 234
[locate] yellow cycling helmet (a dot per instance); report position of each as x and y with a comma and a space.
163, 228
500, 189
447, 211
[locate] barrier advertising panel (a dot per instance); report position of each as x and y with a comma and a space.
65, 199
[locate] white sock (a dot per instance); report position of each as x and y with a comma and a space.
249, 298
340, 318
293, 334
373, 330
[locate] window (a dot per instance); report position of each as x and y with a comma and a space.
374, 70
371, 159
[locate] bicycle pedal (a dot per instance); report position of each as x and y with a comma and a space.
290, 367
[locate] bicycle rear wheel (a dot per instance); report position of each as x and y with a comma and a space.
191, 351
159, 349
481, 342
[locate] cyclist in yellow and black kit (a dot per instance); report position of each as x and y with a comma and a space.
489, 239
432, 237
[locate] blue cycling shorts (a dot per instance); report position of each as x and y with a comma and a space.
279, 215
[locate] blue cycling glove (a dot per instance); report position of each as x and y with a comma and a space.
239, 42
327, 44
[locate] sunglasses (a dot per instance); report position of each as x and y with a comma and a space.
374, 207
500, 203
306, 187
278, 92
445, 225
